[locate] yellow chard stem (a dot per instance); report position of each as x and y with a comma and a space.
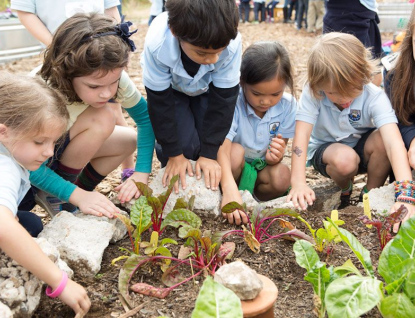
366, 208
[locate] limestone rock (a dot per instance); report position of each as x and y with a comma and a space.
5, 311
81, 242
239, 278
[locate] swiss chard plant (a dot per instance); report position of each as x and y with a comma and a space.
345, 292
384, 224
157, 203
215, 300
327, 236
260, 223
207, 253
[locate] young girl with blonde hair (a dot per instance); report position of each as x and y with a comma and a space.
345, 124
263, 121
86, 61
32, 119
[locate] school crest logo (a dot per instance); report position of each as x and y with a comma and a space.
354, 115
273, 128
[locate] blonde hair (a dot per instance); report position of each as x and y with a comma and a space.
341, 60
28, 105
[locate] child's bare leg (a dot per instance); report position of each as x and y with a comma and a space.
375, 155
272, 182
87, 135
342, 163
237, 160
120, 121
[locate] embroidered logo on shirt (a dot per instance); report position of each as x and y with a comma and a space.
354, 115
273, 129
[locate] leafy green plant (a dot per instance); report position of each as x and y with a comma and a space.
327, 236
157, 247
157, 204
260, 222
215, 300
356, 294
207, 254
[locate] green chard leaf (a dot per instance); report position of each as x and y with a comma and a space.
352, 296
397, 306
305, 255
216, 301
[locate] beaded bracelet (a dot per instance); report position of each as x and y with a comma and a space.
405, 199
404, 188
55, 293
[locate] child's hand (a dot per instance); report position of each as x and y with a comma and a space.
236, 215
301, 195
93, 203
212, 171
276, 149
128, 190
411, 213
75, 296
177, 166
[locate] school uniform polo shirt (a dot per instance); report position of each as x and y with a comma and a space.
371, 109
254, 133
162, 64
14, 181
53, 13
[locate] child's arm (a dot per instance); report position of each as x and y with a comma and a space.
300, 194
113, 12
216, 125
145, 145
93, 203
397, 155
229, 187
33, 24
16, 242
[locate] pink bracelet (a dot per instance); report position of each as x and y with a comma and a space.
55, 293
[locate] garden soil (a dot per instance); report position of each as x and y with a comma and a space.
276, 259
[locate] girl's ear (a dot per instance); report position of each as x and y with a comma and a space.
3, 132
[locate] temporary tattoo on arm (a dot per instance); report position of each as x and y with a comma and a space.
297, 151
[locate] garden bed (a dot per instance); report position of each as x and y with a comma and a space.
276, 259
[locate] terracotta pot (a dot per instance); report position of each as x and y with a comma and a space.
263, 305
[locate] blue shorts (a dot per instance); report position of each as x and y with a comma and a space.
320, 166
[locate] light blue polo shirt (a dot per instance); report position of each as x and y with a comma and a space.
53, 13
371, 109
14, 181
254, 133
162, 64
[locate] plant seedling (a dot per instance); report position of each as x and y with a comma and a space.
384, 224
259, 224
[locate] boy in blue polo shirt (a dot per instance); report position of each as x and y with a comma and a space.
191, 64
352, 124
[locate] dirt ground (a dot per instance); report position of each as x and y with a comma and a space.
276, 259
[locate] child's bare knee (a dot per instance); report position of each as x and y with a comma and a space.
103, 122
345, 163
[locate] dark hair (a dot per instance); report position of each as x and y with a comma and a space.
402, 85
262, 61
204, 23
75, 53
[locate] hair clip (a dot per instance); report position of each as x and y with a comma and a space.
122, 30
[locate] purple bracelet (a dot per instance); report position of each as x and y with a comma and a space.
55, 293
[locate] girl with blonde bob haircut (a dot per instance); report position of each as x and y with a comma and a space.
345, 125
32, 119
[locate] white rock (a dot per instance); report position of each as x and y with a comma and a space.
119, 230
81, 242
5, 311
381, 199
239, 278
206, 200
